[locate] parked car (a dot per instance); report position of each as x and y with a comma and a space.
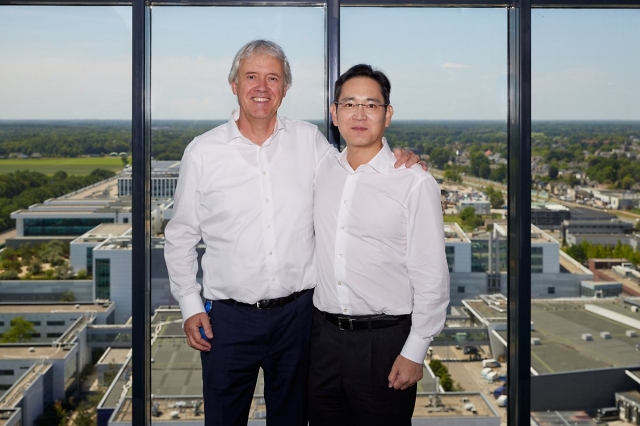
502, 401
470, 350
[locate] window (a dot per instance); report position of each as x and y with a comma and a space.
461, 289
6, 372
536, 260
55, 323
450, 252
90, 260
551, 290
54, 334
35, 323
103, 278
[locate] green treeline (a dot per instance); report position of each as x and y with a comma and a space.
587, 250
21, 189
64, 138
576, 146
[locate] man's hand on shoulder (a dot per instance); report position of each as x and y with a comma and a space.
192, 331
408, 158
404, 373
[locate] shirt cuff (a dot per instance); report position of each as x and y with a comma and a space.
190, 305
415, 348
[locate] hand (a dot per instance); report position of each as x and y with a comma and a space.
408, 158
404, 373
192, 331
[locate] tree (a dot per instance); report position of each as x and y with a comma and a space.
35, 267
63, 271
553, 172
499, 174
20, 331
82, 274
452, 176
68, 296
85, 415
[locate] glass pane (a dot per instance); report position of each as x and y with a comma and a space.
65, 137
448, 73
585, 205
193, 50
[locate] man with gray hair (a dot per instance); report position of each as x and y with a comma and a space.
246, 189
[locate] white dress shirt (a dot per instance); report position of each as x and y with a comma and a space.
252, 206
380, 244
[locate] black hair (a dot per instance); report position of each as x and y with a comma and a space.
364, 70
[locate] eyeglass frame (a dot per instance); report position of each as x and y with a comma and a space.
365, 106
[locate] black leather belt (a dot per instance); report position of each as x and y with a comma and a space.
369, 322
266, 303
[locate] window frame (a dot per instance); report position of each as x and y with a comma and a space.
519, 148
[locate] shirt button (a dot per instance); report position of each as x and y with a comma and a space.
339, 282
345, 201
267, 200
264, 173
270, 253
344, 310
273, 279
268, 226
342, 228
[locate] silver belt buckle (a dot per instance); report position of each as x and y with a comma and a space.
350, 323
258, 305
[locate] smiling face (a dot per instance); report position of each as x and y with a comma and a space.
260, 88
361, 128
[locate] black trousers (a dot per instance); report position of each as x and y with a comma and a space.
348, 376
245, 339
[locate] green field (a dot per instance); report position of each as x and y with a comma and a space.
73, 166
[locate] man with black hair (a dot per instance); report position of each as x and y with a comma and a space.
383, 280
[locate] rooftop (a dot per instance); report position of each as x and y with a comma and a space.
561, 324
103, 231
43, 307
453, 233
35, 352
16, 392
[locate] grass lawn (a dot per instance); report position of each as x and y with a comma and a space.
73, 166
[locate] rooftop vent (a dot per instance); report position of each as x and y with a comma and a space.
32, 349
535, 341
586, 337
174, 414
77, 306
631, 333
605, 335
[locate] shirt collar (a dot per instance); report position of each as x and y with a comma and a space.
381, 163
233, 132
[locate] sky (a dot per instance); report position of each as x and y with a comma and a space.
444, 64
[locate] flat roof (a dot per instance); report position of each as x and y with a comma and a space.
572, 266
452, 232
107, 189
452, 405
115, 355
43, 307
16, 392
582, 212
559, 324
105, 230
39, 351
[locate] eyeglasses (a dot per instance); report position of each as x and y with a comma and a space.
369, 108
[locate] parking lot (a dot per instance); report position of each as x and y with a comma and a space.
467, 373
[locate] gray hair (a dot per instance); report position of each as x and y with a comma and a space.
261, 46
